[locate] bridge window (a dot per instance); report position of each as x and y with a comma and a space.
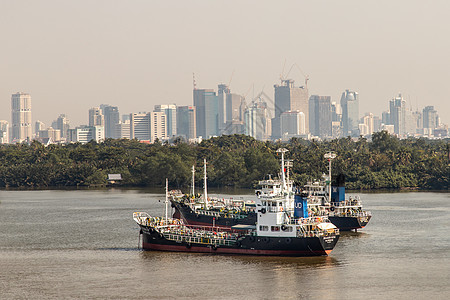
275, 228
263, 228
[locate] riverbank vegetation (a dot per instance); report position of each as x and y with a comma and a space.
237, 160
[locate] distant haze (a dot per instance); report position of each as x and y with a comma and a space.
74, 55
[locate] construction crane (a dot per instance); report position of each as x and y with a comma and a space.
283, 78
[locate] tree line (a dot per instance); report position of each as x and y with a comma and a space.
386, 162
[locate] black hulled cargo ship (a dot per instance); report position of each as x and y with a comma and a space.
220, 215
277, 232
345, 214
328, 198
202, 210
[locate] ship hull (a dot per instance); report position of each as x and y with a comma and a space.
248, 245
349, 223
190, 217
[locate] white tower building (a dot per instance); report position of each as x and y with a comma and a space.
21, 117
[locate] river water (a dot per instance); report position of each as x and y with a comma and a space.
84, 244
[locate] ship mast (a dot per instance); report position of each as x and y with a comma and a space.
193, 180
167, 200
205, 192
330, 156
283, 173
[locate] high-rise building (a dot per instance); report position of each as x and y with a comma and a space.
4, 132
292, 123
320, 116
289, 98
257, 121
367, 126
234, 115
158, 128
21, 117
112, 118
376, 124
386, 118
186, 122
207, 112
62, 123
418, 119
96, 117
50, 133
85, 134
140, 124
122, 130
170, 111
222, 93
38, 126
410, 122
230, 118
350, 113
430, 118
336, 115
397, 114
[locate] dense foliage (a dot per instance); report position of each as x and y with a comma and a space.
237, 160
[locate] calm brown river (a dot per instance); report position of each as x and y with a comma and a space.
84, 245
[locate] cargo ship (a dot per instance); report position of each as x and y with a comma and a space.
278, 231
346, 214
205, 211
328, 198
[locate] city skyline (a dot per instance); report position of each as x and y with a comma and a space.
75, 55
326, 119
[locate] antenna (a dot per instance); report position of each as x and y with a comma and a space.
329, 156
193, 81
229, 82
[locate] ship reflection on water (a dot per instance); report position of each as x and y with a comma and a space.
235, 276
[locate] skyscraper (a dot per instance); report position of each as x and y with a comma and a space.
96, 117
122, 130
350, 113
222, 93
63, 124
186, 122
207, 112
170, 110
4, 132
257, 121
289, 98
397, 113
292, 123
21, 117
320, 117
367, 126
158, 126
112, 118
140, 126
38, 126
430, 117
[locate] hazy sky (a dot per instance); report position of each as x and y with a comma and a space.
74, 55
